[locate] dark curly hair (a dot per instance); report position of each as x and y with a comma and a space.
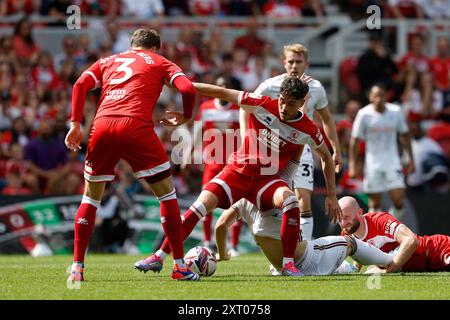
294, 87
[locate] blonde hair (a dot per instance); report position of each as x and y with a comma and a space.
296, 48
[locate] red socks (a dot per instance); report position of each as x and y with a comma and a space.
171, 223
290, 226
207, 221
190, 219
84, 225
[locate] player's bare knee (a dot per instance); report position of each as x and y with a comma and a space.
208, 199
94, 190
280, 196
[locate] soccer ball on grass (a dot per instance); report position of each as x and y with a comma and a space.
201, 260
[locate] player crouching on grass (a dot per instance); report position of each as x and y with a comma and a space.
321, 256
275, 126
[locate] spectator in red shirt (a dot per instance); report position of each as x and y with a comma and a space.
23, 42
204, 7
13, 7
281, 9
401, 9
420, 97
43, 74
415, 57
18, 165
250, 41
15, 185
440, 65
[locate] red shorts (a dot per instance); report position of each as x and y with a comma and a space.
210, 172
236, 186
434, 255
127, 138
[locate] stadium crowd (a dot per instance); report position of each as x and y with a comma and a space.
36, 86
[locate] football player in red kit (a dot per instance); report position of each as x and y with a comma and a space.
274, 142
413, 253
131, 83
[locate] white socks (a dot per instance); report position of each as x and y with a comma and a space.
367, 254
180, 263
161, 254
307, 225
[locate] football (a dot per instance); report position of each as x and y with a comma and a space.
201, 260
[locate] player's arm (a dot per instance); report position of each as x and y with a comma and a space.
186, 89
243, 122
224, 223
331, 203
405, 141
214, 91
330, 130
243, 115
408, 245
85, 82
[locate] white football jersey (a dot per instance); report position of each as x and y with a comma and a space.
317, 98
380, 132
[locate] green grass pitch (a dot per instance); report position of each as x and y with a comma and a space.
244, 277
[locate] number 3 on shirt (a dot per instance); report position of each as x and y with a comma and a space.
124, 67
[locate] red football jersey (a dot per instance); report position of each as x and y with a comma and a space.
219, 119
441, 68
131, 82
270, 143
381, 232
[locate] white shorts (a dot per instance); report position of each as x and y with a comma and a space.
323, 256
381, 180
304, 176
263, 224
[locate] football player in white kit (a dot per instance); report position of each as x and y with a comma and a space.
295, 62
380, 124
321, 256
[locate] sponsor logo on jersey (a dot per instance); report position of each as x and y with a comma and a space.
293, 136
268, 120
270, 139
390, 227
115, 94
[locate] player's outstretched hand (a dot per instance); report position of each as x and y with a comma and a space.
73, 137
173, 119
223, 258
333, 209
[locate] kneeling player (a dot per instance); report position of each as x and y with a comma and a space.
318, 257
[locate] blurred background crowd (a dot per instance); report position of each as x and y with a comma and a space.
35, 85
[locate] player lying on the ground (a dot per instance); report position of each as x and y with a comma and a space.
274, 142
413, 253
321, 256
